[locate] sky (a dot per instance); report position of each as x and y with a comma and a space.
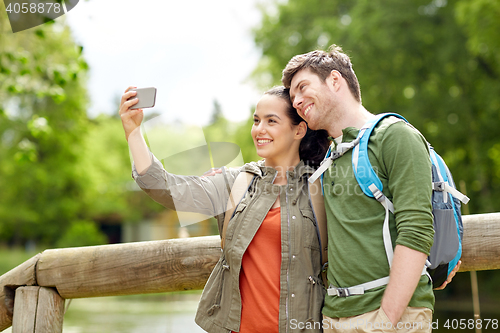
193, 52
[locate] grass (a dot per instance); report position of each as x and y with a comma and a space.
10, 258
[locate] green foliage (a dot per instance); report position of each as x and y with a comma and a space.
244, 140
479, 19
57, 166
43, 103
82, 233
108, 195
221, 130
436, 62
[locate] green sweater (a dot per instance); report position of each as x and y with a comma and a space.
400, 157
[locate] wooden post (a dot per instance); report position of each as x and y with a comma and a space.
37, 310
22, 275
25, 304
50, 311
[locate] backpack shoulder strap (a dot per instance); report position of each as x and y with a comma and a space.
368, 180
360, 161
318, 207
240, 187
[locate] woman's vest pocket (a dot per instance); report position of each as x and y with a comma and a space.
213, 290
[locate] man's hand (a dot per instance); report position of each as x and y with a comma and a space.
450, 277
406, 269
212, 172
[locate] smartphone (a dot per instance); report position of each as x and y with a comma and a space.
146, 96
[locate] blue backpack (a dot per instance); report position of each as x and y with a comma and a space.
446, 201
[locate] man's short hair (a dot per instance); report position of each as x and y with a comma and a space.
322, 63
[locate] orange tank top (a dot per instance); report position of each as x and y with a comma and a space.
260, 278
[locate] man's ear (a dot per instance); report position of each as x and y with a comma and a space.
301, 130
334, 79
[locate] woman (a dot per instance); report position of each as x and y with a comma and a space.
268, 276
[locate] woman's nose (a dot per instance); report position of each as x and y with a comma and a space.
261, 128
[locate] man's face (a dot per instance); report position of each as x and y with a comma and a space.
312, 98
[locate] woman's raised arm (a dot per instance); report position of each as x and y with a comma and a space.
131, 121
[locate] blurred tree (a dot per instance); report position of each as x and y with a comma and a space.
60, 172
216, 113
436, 62
43, 120
479, 18
110, 194
81, 233
221, 130
244, 140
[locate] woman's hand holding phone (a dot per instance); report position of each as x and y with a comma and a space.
131, 121
131, 118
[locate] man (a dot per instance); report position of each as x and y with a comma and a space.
325, 91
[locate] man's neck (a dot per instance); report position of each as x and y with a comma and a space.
356, 117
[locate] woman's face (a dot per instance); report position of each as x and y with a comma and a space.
274, 136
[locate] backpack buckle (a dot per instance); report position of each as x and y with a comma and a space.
377, 194
340, 292
335, 155
438, 186
343, 292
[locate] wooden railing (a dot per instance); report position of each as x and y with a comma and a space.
32, 295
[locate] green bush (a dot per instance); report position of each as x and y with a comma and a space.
82, 233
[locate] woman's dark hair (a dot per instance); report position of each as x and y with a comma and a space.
314, 144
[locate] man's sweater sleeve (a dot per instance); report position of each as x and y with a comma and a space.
407, 163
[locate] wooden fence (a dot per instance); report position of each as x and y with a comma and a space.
32, 295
